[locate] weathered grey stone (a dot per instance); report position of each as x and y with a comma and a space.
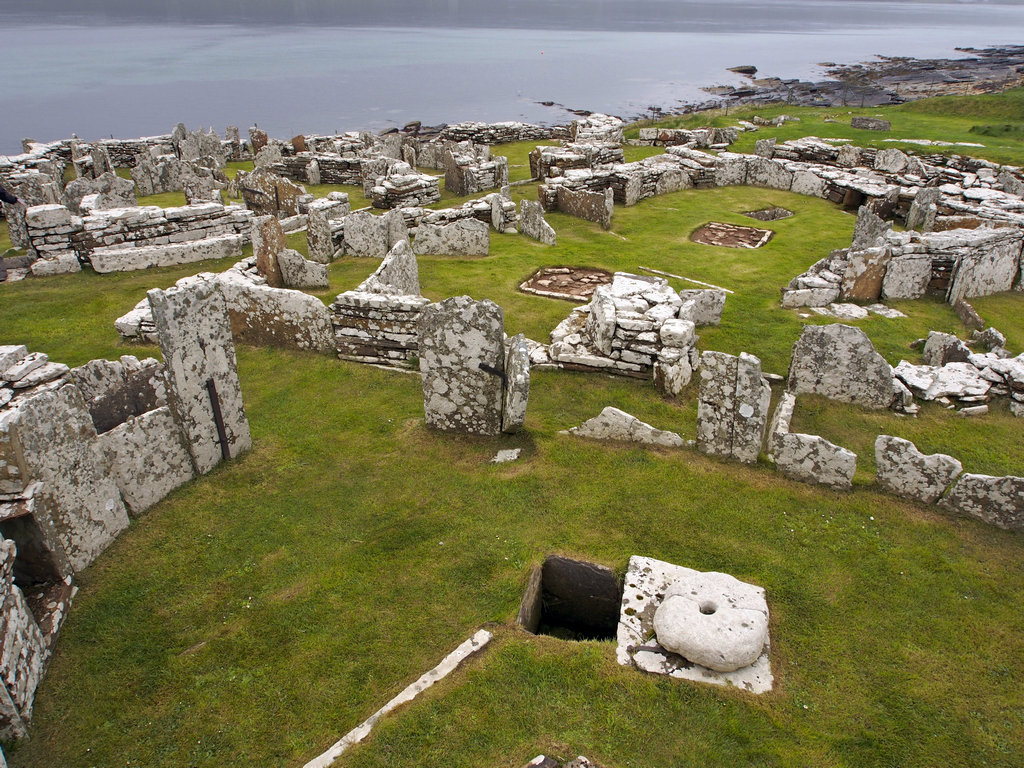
840, 362
943, 348
890, 161
533, 224
922, 213
732, 411
905, 471
280, 317
265, 193
1011, 184
870, 124
996, 500
865, 272
268, 240
517, 384
702, 306
366, 235
195, 338
466, 237
765, 147
600, 324
267, 156
397, 275
112, 191
780, 422
870, 229
77, 499
849, 156
762, 172
714, 620
299, 272
907, 277
673, 370
590, 206
809, 297
613, 424
147, 458
813, 459
127, 259
115, 392
319, 243
462, 357
990, 264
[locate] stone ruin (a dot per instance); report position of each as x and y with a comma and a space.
82, 449
473, 381
470, 170
732, 409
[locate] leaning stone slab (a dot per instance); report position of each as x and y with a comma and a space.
996, 500
840, 362
299, 272
268, 240
147, 458
613, 424
905, 471
202, 375
118, 259
813, 459
279, 317
517, 384
646, 582
462, 357
533, 224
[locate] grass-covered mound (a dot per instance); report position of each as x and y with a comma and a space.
259, 613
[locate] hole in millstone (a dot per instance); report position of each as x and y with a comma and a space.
708, 608
571, 600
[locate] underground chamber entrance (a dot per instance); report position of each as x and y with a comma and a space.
571, 600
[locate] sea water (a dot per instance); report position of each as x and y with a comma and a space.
121, 68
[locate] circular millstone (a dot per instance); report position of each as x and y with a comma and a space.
714, 620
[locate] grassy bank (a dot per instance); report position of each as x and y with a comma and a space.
259, 613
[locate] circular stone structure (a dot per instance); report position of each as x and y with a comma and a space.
731, 235
714, 620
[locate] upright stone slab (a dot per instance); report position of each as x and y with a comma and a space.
840, 362
397, 275
517, 384
365, 235
732, 412
299, 272
56, 438
268, 240
590, 206
533, 224
462, 359
320, 245
202, 376
921, 216
996, 500
905, 471
870, 229
865, 272
466, 237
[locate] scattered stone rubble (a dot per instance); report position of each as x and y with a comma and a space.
706, 624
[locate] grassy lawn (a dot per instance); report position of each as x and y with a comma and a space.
259, 613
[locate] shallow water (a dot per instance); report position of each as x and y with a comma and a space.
315, 67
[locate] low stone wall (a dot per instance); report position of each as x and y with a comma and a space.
467, 174
500, 133
548, 161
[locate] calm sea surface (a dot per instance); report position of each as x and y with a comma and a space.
112, 67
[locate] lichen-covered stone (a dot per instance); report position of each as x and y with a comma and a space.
702, 306
366, 235
996, 500
517, 384
466, 237
905, 471
397, 275
813, 459
614, 424
462, 359
319, 244
299, 272
268, 240
195, 338
732, 411
840, 362
532, 223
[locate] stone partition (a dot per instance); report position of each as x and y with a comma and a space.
202, 379
732, 411
839, 362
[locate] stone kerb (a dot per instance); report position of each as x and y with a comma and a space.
462, 359
203, 390
839, 362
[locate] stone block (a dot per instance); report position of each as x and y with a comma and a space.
517, 384
462, 359
865, 273
147, 458
943, 348
702, 306
613, 424
590, 206
118, 259
762, 172
466, 237
203, 390
996, 500
268, 240
320, 244
890, 161
870, 123
813, 459
870, 229
732, 410
279, 317
905, 471
532, 223
907, 277
397, 275
366, 235
840, 362
299, 272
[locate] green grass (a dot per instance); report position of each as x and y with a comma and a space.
259, 613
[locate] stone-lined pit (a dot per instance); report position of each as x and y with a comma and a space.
571, 283
769, 214
731, 235
571, 600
